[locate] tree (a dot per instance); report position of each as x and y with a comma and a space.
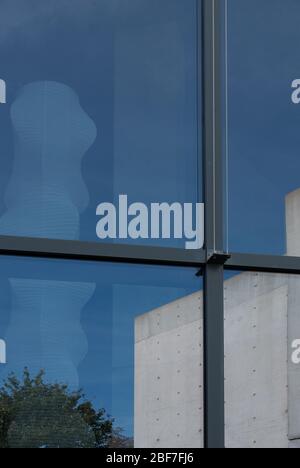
36, 414
119, 440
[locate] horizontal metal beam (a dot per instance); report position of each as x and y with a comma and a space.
137, 254
77, 250
263, 263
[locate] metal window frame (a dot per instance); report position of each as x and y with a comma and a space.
212, 260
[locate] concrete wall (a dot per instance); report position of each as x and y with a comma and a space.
168, 376
262, 386
293, 248
256, 391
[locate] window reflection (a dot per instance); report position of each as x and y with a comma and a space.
91, 350
263, 121
124, 69
46, 193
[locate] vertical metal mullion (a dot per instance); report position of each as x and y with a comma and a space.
212, 124
214, 408
213, 195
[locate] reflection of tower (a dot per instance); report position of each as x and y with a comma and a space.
46, 193
2, 352
45, 197
45, 330
2, 92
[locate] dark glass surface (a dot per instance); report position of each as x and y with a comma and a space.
263, 124
101, 101
110, 330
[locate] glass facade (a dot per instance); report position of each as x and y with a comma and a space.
113, 336
102, 101
263, 123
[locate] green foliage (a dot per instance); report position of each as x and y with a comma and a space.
119, 440
36, 414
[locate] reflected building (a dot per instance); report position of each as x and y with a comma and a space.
262, 387
2, 92
2, 352
44, 198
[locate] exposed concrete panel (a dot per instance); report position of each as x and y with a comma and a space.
294, 369
255, 368
293, 248
256, 362
293, 223
243, 287
169, 376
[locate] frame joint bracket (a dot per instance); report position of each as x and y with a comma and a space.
217, 257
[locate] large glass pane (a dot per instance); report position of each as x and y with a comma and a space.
262, 357
99, 355
263, 124
98, 99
